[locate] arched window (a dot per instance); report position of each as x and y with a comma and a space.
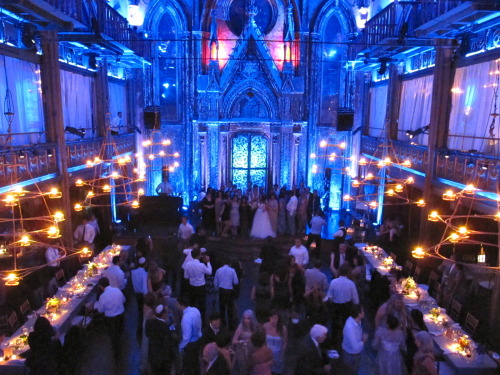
168, 63
332, 56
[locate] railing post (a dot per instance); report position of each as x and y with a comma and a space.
53, 110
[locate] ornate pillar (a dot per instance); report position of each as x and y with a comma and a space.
101, 99
213, 154
50, 74
393, 100
224, 155
438, 125
275, 160
204, 160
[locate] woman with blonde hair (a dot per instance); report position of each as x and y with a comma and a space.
424, 361
242, 344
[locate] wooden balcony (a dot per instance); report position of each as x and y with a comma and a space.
405, 25
481, 171
25, 163
76, 19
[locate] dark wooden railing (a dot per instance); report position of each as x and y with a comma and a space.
27, 162
110, 22
479, 170
387, 23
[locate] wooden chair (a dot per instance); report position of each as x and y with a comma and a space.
471, 323
13, 322
25, 309
52, 287
4, 324
38, 297
447, 301
456, 309
83, 321
416, 274
408, 267
433, 280
60, 278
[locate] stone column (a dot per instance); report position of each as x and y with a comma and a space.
101, 95
50, 74
393, 100
438, 125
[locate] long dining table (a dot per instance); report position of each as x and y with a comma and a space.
71, 299
446, 333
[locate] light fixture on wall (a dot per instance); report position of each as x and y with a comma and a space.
135, 17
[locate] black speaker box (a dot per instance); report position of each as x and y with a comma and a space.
345, 120
152, 118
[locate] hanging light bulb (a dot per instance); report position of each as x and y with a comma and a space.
454, 237
10, 200
25, 240
58, 217
78, 207
497, 216
380, 164
114, 175
176, 154
85, 252
18, 191
90, 194
387, 161
79, 182
97, 160
463, 232
342, 145
449, 195
323, 144
135, 204
433, 216
407, 163
373, 205
89, 164
347, 197
146, 143
122, 161
418, 253
390, 193
399, 188
410, 180
176, 164
332, 156
362, 161
470, 189
135, 170
314, 168
161, 153
166, 142
54, 193
128, 159
140, 192
151, 157
11, 279
369, 176
172, 169
53, 232
106, 188
355, 183
421, 203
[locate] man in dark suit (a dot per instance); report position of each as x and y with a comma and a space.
214, 363
161, 344
313, 205
311, 360
214, 329
343, 255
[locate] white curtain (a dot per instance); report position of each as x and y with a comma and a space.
472, 103
118, 102
378, 106
23, 80
76, 91
415, 111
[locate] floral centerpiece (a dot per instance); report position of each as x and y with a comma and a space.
435, 312
53, 305
409, 285
387, 262
91, 269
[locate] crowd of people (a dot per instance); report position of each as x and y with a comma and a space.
254, 212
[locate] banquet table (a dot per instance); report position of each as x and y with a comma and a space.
444, 330
73, 296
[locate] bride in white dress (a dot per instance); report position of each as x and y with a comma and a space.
261, 227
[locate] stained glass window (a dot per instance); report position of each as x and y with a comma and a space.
249, 160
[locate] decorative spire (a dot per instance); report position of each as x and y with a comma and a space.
289, 30
252, 11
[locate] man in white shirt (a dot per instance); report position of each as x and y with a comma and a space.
291, 212
225, 279
342, 294
111, 304
317, 223
353, 341
165, 187
139, 278
300, 253
84, 233
117, 124
191, 334
184, 233
195, 272
52, 257
115, 274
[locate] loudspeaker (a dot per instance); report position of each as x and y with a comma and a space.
152, 118
345, 119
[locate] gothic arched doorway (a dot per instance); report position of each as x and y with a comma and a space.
249, 160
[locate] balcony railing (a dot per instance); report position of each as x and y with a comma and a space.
110, 22
481, 171
388, 22
25, 163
